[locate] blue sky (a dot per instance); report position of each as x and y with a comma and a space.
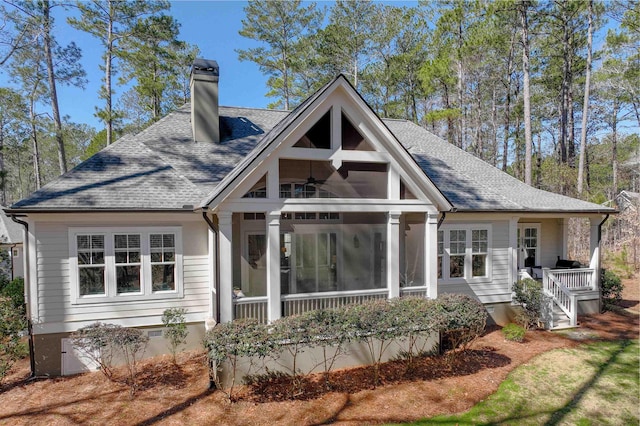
211, 25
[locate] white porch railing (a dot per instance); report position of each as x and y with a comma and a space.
293, 304
250, 307
564, 285
575, 279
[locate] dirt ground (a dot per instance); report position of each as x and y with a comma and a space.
178, 395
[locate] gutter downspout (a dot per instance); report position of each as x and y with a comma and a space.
600, 227
27, 295
12, 261
213, 368
444, 214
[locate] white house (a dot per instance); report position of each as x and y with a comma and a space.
243, 212
12, 266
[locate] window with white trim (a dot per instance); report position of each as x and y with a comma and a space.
125, 263
464, 252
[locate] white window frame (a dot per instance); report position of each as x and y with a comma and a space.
111, 295
468, 259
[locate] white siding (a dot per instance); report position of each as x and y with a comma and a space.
53, 275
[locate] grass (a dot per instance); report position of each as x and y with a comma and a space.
596, 383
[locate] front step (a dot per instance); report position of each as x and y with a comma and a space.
560, 320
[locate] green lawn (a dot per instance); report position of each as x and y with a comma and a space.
594, 384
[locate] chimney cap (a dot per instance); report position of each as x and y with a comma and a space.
205, 66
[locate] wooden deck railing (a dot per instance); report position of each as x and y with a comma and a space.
250, 307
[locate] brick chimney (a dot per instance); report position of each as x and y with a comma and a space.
205, 118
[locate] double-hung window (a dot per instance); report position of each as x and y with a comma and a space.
125, 263
464, 252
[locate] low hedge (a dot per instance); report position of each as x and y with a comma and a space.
377, 323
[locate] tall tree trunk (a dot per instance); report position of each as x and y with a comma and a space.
614, 147
564, 98
34, 140
107, 77
62, 158
571, 145
539, 163
3, 182
585, 105
494, 127
507, 106
526, 94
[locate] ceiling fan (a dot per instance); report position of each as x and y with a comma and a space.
311, 180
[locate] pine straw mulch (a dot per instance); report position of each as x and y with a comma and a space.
177, 394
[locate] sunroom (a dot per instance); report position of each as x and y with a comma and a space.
330, 211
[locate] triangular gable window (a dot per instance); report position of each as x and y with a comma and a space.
352, 140
259, 190
405, 193
319, 136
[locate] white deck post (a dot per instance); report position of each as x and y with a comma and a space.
431, 254
393, 253
564, 225
225, 238
211, 240
273, 266
594, 251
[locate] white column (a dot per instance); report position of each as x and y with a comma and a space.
431, 254
594, 250
212, 272
273, 266
513, 250
393, 253
225, 252
564, 226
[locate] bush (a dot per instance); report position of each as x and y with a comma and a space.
611, 289
96, 342
376, 323
12, 322
513, 332
462, 319
530, 296
175, 328
14, 290
102, 342
233, 340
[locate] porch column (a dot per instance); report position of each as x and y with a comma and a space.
564, 226
273, 266
513, 250
213, 309
594, 251
431, 254
225, 238
393, 253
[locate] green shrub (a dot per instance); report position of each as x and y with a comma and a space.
462, 319
12, 322
530, 296
238, 339
14, 290
611, 289
175, 330
513, 332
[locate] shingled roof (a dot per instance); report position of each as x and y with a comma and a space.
162, 168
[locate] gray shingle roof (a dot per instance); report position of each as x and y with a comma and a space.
10, 232
161, 168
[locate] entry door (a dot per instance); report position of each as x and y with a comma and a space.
528, 245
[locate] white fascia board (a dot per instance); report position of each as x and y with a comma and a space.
326, 205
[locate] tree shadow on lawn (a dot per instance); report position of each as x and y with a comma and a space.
278, 388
